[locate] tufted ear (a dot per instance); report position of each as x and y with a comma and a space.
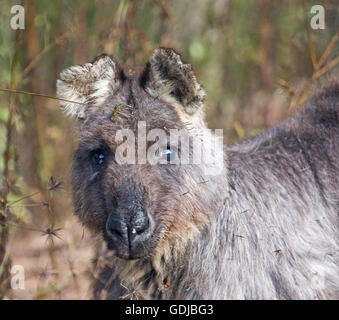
169, 79
91, 83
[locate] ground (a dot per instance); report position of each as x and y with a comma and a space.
58, 271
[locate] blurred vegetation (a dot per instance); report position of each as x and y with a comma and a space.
257, 60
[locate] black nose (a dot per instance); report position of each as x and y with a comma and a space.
136, 230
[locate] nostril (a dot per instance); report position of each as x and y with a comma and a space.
116, 234
142, 230
139, 229
116, 231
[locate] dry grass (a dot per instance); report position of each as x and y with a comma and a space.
67, 277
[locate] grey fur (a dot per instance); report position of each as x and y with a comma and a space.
265, 228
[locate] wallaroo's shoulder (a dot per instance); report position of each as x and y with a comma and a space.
316, 123
322, 109
328, 90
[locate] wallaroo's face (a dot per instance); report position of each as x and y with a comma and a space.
129, 181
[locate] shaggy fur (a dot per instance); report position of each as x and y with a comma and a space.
266, 227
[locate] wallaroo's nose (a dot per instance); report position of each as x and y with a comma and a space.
135, 230
139, 224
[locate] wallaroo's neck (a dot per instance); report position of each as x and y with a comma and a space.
178, 245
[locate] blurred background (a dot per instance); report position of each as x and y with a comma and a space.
258, 61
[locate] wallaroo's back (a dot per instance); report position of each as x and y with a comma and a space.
179, 216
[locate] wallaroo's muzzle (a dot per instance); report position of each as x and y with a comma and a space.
128, 236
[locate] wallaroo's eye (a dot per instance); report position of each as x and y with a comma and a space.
98, 157
167, 153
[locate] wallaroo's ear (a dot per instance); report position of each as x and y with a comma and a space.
169, 79
91, 84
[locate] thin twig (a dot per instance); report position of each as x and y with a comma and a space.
313, 56
49, 97
327, 51
10, 127
326, 68
47, 48
318, 71
24, 197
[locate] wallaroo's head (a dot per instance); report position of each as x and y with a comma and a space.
145, 170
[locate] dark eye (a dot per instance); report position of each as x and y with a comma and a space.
167, 153
98, 157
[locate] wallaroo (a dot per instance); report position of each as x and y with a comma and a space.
264, 226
